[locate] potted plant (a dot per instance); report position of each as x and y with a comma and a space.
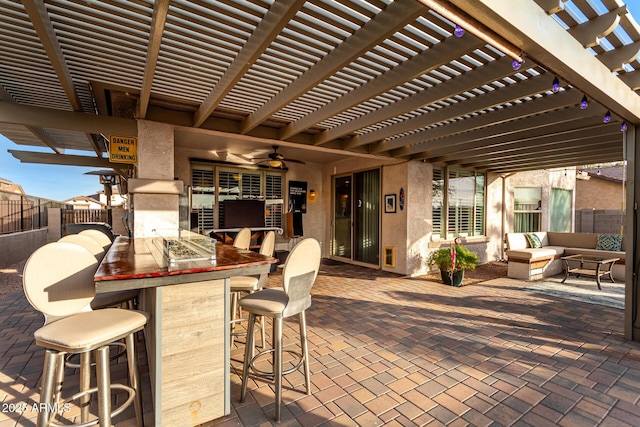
452, 262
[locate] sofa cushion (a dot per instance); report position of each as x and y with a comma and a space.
516, 241
519, 241
573, 240
533, 240
534, 253
609, 242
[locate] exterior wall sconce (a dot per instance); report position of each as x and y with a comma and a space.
312, 194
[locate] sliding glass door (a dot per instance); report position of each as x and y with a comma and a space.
357, 217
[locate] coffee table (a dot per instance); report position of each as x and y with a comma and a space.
587, 265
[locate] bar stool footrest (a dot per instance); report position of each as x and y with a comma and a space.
268, 374
120, 409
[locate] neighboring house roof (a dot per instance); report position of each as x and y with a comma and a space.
609, 173
10, 187
75, 200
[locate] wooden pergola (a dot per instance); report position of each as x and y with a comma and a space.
330, 79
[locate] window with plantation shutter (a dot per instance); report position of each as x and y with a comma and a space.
437, 201
203, 197
274, 200
234, 184
479, 211
458, 203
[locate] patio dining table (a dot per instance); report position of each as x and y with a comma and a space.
187, 339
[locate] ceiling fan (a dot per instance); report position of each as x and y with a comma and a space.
276, 160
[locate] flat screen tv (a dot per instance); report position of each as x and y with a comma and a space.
243, 213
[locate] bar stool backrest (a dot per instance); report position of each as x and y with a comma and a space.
97, 235
299, 274
58, 280
268, 244
243, 239
86, 242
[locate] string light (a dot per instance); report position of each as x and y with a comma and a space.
584, 103
556, 85
624, 126
516, 64
607, 117
458, 31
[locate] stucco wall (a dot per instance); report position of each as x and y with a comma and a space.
16, 247
546, 179
314, 222
419, 216
496, 215
395, 226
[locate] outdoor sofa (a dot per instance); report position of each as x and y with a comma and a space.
527, 262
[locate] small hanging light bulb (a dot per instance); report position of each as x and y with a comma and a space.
556, 85
458, 31
584, 103
607, 117
516, 64
624, 126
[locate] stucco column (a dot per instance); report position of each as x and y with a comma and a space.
152, 207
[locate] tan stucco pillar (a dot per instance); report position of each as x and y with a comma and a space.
151, 208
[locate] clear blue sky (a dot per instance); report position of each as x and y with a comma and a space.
64, 182
48, 181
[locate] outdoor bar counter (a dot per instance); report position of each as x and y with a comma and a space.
187, 337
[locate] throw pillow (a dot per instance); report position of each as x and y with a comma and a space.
609, 242
534, 240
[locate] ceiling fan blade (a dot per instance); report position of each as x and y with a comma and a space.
294, 161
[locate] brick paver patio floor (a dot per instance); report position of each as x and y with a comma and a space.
388, 350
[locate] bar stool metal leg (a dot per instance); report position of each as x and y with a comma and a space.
234, 314
85, 384
48, 385
248, 355
134, 378
57, 393
305, 350
277, 365
104, 392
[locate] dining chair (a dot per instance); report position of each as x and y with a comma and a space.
243, 239
58, 282
298, 275
250, 284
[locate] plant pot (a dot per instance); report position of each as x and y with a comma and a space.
458, 275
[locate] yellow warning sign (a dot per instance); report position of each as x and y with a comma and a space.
123, 149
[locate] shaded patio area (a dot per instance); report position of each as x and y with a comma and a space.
398, 351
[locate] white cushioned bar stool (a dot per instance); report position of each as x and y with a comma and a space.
250, 284
243, 239
97, 235
122, 299
86, 242
107, 299
298, 275
58, 282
